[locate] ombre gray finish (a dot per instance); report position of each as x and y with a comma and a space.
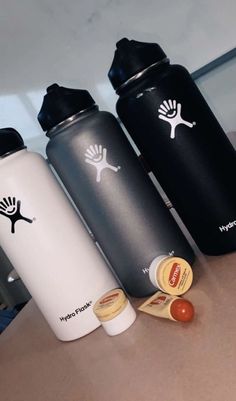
108, 184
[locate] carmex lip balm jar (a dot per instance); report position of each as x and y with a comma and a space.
171, 274
115, 312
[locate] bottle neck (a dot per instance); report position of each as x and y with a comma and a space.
71, 120
140, 75
12, 152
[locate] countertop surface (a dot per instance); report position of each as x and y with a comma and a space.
154, 360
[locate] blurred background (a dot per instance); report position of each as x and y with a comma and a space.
72, 43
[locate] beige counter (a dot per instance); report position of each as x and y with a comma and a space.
155, 360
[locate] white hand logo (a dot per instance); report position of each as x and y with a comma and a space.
97, 156
170, 111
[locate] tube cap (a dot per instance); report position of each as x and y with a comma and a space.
132, 57
182, 310
60, 103
10, 140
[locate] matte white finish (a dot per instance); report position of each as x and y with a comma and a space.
54, 255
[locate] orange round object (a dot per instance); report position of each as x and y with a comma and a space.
182, 310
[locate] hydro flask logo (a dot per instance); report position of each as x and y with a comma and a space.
170, 111
228, 226
10, 208
97, 156
75, 312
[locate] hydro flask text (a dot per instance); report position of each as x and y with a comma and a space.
75, 312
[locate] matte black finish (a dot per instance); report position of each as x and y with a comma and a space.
120, 204
60, 103
131, 57
186, 148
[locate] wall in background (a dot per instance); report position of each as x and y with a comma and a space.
219, 89
72, 43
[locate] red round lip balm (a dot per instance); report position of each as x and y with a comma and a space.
182, 310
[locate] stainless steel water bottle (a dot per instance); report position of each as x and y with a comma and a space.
107, 183
46, 242
181, 140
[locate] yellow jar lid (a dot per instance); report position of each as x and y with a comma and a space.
110, 304
174, 275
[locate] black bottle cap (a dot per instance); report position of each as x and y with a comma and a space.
132, 57
60, 103
10, 141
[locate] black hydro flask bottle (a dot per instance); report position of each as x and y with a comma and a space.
180, 138
109, 186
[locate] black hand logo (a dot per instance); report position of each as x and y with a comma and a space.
10, 208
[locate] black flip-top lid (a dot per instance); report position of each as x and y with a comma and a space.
132, 57
10, 141
60, 103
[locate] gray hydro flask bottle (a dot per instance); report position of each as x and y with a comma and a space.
101, 172
181, 140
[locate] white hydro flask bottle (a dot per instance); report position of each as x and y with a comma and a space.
47, 243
